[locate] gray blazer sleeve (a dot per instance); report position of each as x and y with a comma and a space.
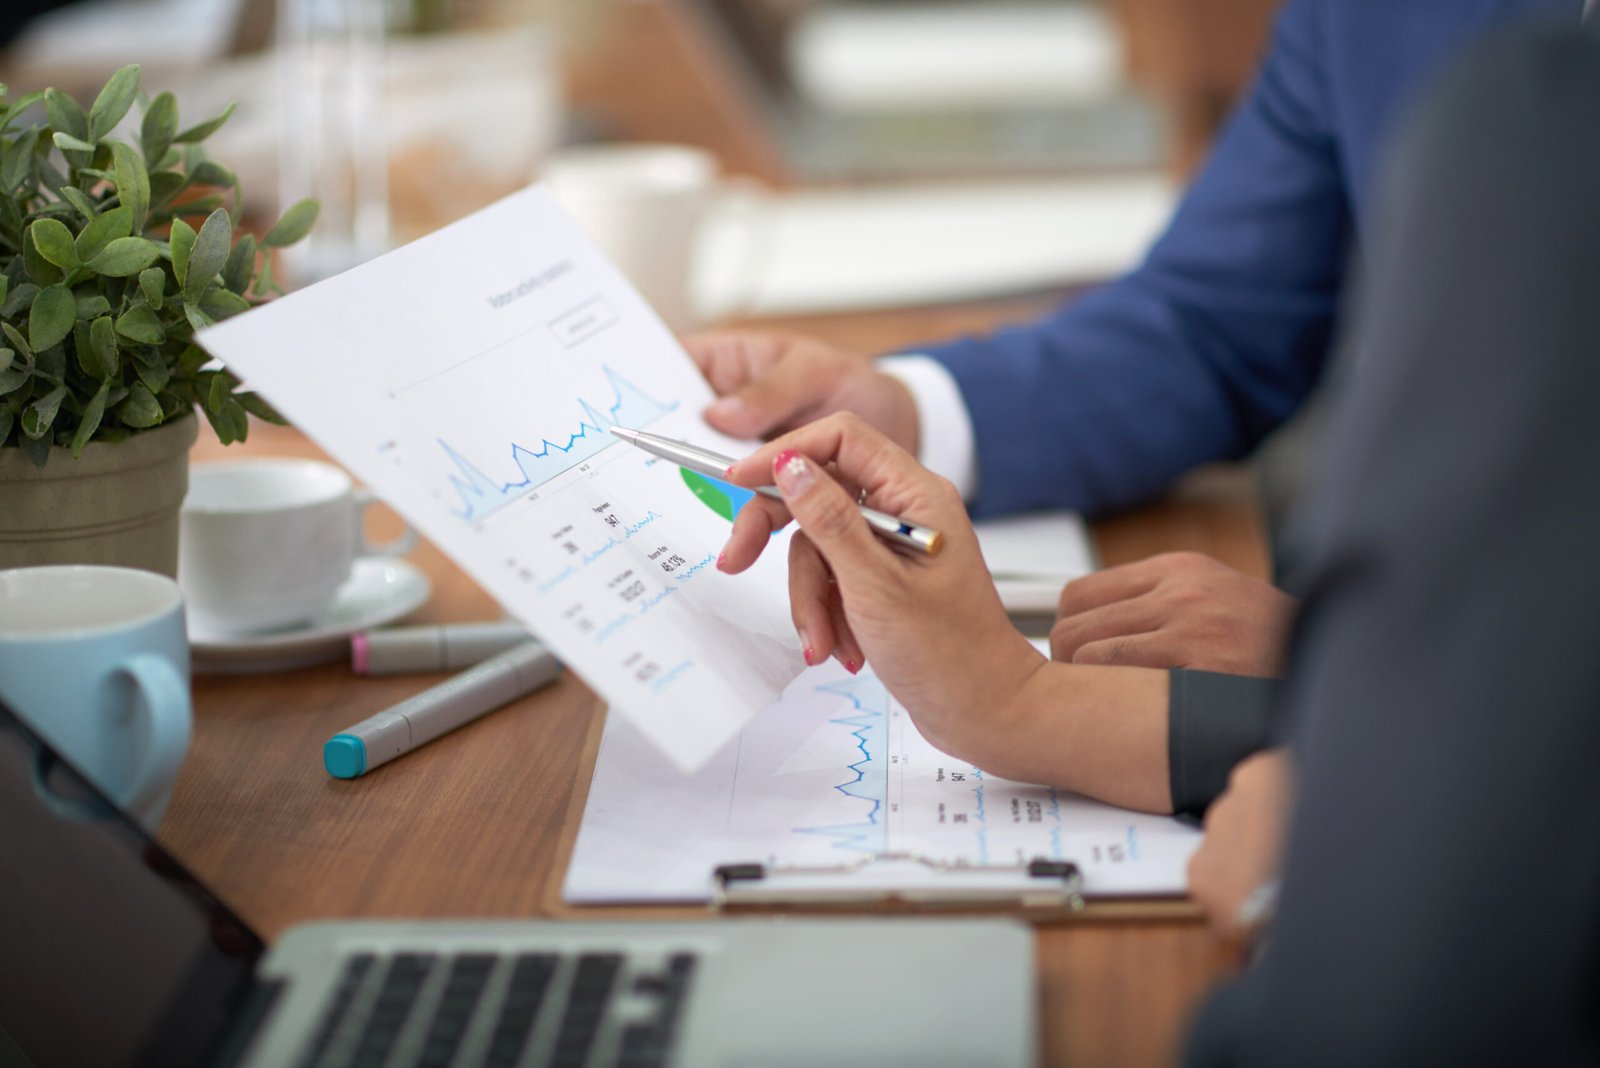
1214, 721
1441, 892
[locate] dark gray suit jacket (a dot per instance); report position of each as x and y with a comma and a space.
1441, 896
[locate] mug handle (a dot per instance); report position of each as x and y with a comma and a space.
167, 707
401, 545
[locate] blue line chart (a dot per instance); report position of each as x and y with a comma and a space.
866, 776
480, 496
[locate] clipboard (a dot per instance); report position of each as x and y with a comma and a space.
551, 901
904, 879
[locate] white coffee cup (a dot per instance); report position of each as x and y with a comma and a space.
95, 659
265, 544
643, 204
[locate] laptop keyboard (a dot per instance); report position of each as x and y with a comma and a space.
483, 1010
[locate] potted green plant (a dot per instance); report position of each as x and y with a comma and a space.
112, 255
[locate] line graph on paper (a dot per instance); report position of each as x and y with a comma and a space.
481, 496
832, 774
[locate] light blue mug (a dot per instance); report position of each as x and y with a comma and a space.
96, 660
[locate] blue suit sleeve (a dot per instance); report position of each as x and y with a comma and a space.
1209, 345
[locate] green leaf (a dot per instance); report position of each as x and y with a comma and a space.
140, 409
210, 172
198, 206
89, 421
227, 418
51, 317
15, 337
19, 298
13, 379
125, 256
133, 183
181, 242
39, 269
93, 306
103, 347
5, 284
218, 392
222, 304
141, 324
160, 125
197, 318
18, 162
153, 283
211, 247
257, 406
241, 265
54, 242
68, 143
113, 102
155, 376
295, 224
204, 129
78, 200
191, 360
164, 185
51, 363
65, 114
102, 231
38, 417
7, 358
18, 107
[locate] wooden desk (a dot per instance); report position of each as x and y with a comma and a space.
472, 825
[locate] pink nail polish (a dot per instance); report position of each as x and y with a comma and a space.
722, 559
783, 458
851, 666
810, 655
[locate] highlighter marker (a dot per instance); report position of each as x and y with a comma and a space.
418, 720
450, 647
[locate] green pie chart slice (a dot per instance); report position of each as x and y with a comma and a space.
721, 497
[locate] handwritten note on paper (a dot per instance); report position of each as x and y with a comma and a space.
469, 378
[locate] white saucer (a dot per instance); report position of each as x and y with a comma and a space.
377, 592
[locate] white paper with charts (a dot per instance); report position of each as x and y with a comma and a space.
834, 772
469, 378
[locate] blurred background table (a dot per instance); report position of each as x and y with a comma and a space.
475, 823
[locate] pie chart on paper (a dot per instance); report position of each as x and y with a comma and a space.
721, 497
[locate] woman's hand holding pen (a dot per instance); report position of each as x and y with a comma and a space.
933, 628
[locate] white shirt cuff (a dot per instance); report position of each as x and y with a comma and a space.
946, 444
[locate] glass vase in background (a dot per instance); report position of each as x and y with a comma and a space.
333, 143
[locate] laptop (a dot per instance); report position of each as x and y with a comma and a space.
931, 88
114, 955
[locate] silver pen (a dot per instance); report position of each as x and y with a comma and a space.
715, 465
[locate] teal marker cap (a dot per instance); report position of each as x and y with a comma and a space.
345, 756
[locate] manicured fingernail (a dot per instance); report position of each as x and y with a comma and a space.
722, 560
852, 666
728, 472
793, 472
810, 655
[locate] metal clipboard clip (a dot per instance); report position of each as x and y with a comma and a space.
901, 877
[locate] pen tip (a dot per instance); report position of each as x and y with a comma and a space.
624, 433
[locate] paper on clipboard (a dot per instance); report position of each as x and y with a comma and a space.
833, 773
